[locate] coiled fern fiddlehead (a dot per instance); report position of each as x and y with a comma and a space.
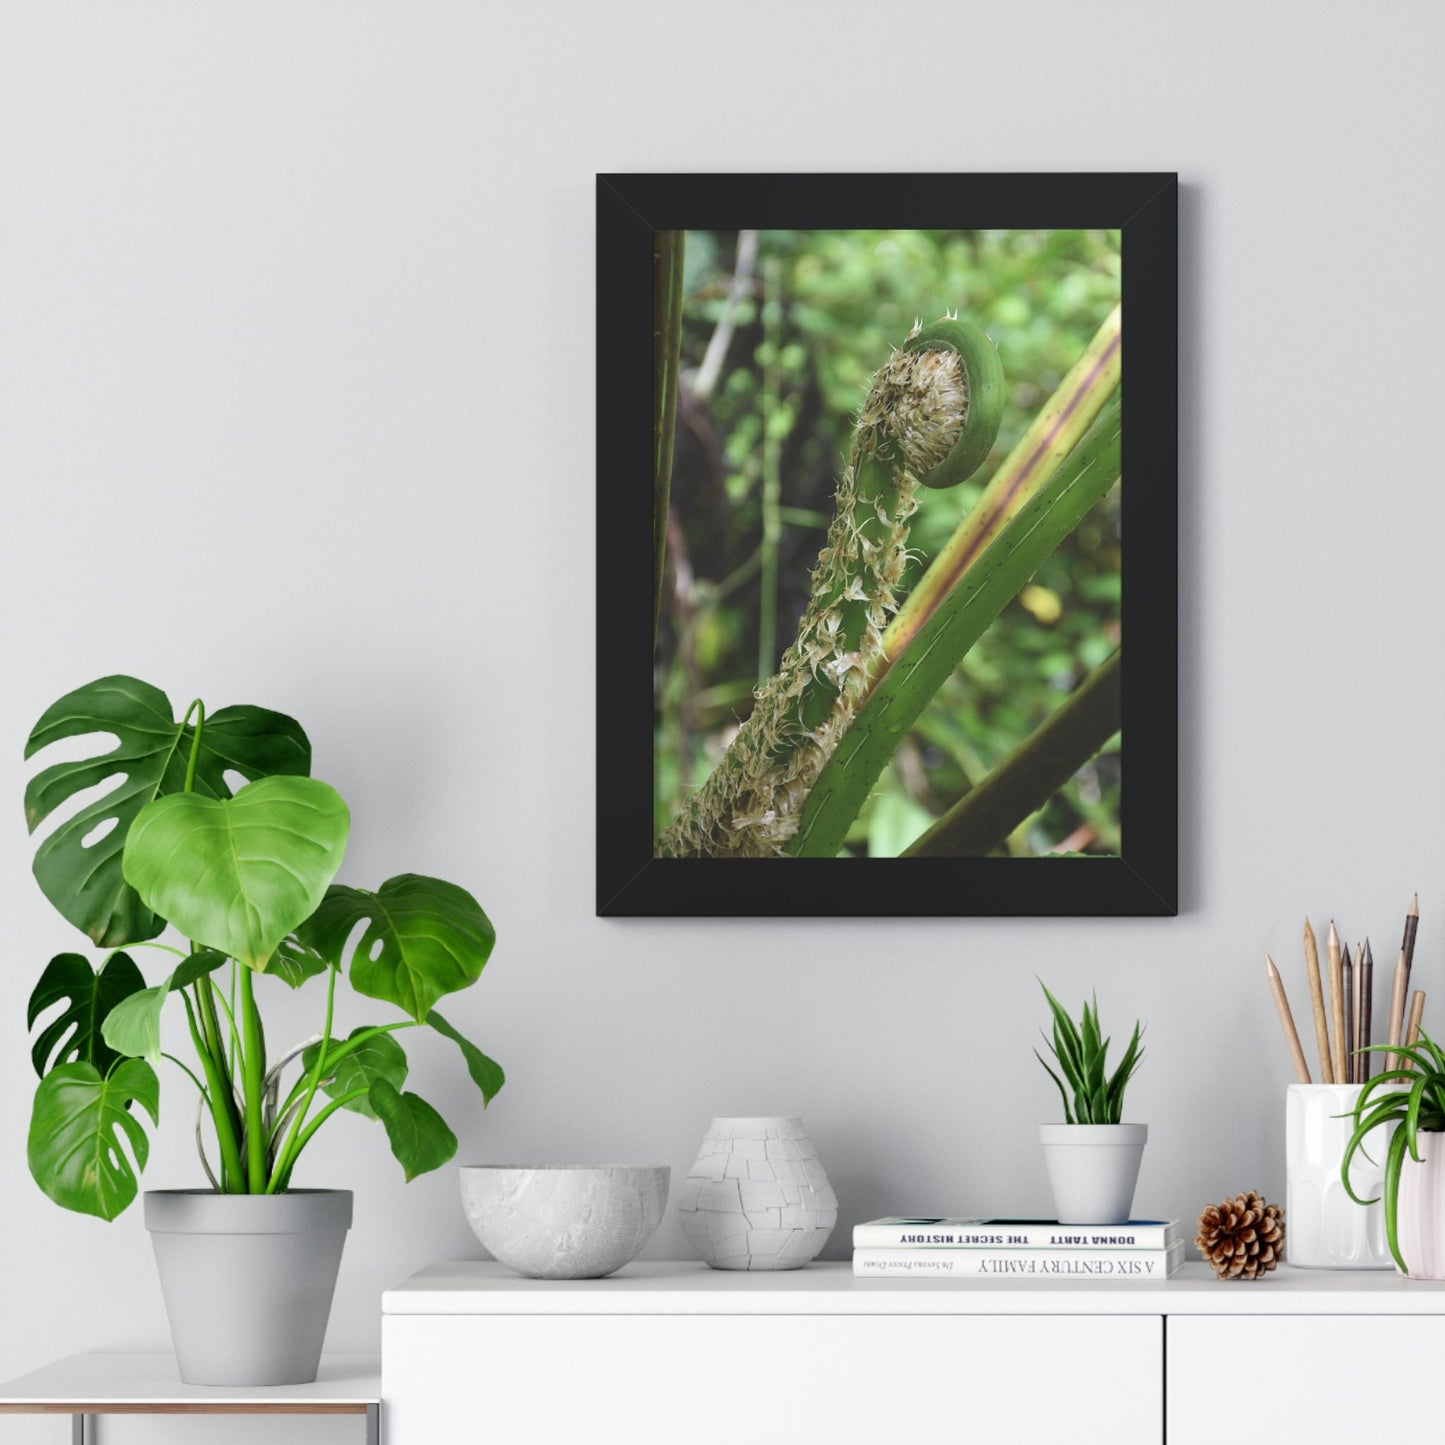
930, 418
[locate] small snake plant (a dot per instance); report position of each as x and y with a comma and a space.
1081, 1052
1420, 1109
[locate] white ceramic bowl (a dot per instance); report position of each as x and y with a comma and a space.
564, 1221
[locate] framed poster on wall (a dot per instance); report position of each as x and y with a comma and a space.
887, 633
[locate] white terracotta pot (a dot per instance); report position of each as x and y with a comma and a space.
248, 1280
1421, 1223
1093, 1169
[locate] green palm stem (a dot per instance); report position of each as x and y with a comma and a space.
212, 1046
667, 249
930, 417
225, 1119
253, 1085
286, 1155
209, 1043
1003, 567
342, 1050
340, 1102
1031, 774
228, 1007
1053, 433
292, 1101
350, 1045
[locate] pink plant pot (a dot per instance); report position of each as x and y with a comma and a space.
1421, 1222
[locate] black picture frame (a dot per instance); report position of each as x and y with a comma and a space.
630, 881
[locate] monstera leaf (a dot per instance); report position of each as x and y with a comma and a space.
418, 1135
238, 874
151, 754
89, 996
380, 1057
294, 962
486, 1073
78, 1129
133, 1027
423, 938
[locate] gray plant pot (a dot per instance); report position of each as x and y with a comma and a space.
248, 1280
1093, 1169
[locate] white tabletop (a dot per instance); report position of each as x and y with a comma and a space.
475, 1287
99, 1384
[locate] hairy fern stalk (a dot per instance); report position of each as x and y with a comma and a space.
916, 409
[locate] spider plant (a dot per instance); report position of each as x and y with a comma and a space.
1418, 1109
1081, 1052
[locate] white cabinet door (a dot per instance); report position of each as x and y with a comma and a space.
731, 1380
1303, 1377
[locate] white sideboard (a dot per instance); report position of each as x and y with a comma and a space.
678, 1354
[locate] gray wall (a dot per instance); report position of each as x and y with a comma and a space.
297, 409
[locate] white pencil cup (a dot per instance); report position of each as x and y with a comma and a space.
1324, 1227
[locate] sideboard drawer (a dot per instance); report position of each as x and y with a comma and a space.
1304, 1377
716, 1380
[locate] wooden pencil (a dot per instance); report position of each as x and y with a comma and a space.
1367, 1010
1412, 1032
1356, 1028
1347, 993
1286, 1021
1412, 927
1397, 1010
1337, 1005
1317, 1004
1407, 944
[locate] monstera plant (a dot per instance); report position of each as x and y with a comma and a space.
212, 825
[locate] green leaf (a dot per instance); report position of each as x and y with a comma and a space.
1394, 1159
1128, 1065
78, 1131
1082, 1054
423, 938
294, 962
133, 1027
239, 874
197, 965
378, 1057
419, 1135
1412, 1117
1003, 567
1067, 1046
151, 753
91, 996
1063, 1095
1435, 1050
1090, 1035
486, 1073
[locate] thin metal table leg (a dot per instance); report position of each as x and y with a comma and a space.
373, 1425
80, 1433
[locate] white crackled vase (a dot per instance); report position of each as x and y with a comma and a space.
757, 1197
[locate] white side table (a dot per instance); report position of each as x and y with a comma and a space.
83, 1386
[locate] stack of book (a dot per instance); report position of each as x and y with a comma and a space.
1016, 1249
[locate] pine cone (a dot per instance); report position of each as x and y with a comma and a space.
1242, 1237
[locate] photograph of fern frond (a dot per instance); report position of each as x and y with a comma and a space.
887, 544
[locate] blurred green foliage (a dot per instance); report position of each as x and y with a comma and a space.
814, 314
